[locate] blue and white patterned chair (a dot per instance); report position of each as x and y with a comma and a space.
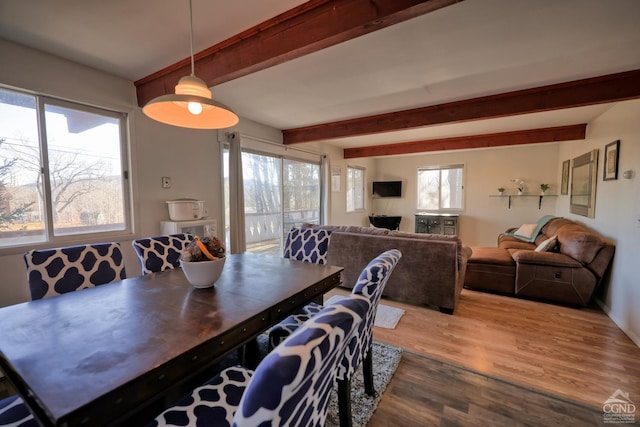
370, 284
13, 412
290, 387
307, 244
52, 272
161, 253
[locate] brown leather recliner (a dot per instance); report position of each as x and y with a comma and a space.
568, 274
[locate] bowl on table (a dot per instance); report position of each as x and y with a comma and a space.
202, 274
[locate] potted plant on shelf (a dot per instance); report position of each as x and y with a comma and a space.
501, 190
544, 188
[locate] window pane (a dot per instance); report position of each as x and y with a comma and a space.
428, 189
262, 206
451, 189
301, 188
440, 188
21, 202
355, 189
85, 171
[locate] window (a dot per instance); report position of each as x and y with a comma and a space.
61, 169
355, 189
440, 188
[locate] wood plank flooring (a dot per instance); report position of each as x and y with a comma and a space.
574, 353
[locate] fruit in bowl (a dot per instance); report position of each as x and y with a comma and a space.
202, 261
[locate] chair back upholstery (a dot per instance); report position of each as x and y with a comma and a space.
52, 272
307, 244
161, 253
292, 384
370, 284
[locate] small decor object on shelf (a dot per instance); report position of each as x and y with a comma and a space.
544, 188
501, 190
521, 187
202, 261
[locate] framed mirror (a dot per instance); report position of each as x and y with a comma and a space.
583, 184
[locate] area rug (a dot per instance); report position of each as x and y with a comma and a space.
386, 359
386, 317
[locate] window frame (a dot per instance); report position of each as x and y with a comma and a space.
348, 189
440, 168
50, 239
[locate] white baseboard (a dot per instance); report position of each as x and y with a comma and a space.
633, 337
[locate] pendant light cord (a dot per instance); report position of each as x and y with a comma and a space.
191, 37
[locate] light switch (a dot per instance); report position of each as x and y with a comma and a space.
166, 182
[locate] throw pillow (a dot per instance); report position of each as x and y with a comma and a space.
547, 245
526, 231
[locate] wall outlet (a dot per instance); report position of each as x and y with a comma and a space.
166, 182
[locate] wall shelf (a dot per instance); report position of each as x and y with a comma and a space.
539, 196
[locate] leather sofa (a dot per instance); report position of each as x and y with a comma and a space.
567, 272
430, 273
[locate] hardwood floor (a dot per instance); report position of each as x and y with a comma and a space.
577, 354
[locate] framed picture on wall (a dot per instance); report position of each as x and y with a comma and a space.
611, 154
583, 184
564, 186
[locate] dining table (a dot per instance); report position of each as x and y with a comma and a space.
118, 354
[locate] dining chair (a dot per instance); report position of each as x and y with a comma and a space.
161, 253
370, 284
56, 271
290, 387
14, 412
307, 244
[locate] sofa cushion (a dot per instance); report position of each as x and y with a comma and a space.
526, 231
577, 242
349, 229
547, 245
490, 255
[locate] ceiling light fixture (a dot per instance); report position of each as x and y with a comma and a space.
192, 105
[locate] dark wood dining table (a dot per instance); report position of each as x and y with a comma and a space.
117, 354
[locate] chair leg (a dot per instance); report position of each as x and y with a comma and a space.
367, 373
344, 402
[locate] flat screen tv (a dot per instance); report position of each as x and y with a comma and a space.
387, 188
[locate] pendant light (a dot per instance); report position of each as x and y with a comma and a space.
192, 105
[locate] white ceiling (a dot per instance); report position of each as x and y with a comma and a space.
470, 49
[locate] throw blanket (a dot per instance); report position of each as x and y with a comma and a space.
541, 223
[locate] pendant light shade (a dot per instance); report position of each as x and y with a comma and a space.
192, 105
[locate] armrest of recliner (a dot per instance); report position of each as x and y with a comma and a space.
551, 259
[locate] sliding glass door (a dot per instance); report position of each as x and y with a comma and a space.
301, 189
262, 177
279, 193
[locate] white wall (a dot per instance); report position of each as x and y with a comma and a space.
338, 210
617, 213
484, 217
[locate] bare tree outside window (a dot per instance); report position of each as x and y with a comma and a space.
68, 179
440, 188
355, 189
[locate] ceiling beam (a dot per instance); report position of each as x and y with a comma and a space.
529, 136
595, 90
308, 28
